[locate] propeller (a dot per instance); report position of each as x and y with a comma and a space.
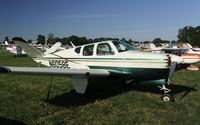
171, 72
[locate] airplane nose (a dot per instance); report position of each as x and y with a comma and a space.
176, 59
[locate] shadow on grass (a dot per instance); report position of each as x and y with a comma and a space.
107, 89
4, 121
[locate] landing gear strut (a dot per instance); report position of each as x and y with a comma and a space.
166, 97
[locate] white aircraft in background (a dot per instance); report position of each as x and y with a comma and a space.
15, 50
4, 44
102, 59
187, 45
188, 53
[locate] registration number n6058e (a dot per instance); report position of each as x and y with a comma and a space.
59, 64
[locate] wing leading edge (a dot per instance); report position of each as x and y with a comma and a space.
55, 71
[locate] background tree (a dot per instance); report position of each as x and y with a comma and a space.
130, 41
123, 39
190, 35
83, 40
30, 41
157, 41
99, 39
74, 39
41, 39
90, 41
51, 39
7, 39
64, 41
146, 42
18, 39
195, 40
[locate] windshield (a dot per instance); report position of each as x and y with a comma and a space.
122, 46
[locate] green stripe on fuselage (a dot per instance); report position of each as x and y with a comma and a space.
140, 74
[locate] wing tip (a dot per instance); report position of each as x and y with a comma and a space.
4, 70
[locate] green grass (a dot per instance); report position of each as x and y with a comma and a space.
23, 100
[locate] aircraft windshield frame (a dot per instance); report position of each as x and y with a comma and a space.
122, 46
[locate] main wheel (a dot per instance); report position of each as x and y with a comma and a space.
166, 97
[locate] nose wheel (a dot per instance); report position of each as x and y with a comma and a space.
166, 97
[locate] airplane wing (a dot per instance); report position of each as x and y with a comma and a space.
55, 71
79, 77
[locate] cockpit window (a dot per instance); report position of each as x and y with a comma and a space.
77, 50
104, 49
88, 50
122, 46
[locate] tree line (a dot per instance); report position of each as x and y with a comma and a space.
187, 34
75, 39
190, 35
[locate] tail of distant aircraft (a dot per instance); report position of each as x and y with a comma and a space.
152, 46
31, 51
6, 43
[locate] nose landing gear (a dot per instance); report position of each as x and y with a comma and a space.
166, 97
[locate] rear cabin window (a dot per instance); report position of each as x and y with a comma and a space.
104, 49
77, 50
88, 50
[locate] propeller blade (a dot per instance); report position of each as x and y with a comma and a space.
171, 73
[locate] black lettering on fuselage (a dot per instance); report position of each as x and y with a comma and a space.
59, 64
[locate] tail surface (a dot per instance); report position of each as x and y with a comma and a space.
31, 51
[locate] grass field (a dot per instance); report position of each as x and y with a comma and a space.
23, 100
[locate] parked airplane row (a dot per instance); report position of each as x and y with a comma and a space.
187, 52
17, 50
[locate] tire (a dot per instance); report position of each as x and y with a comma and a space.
166, 97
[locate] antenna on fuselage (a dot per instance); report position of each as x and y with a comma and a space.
72, 44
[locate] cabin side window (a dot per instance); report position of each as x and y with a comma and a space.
122, 46
104, 49
88, 50
78, 50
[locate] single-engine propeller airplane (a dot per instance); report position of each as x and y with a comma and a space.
102, 59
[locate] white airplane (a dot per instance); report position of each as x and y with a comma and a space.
5, 44
190, 55
103, 59
15, 50
187, 45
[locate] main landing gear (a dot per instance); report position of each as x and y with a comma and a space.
166, 97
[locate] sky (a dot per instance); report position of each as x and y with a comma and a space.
133, 19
